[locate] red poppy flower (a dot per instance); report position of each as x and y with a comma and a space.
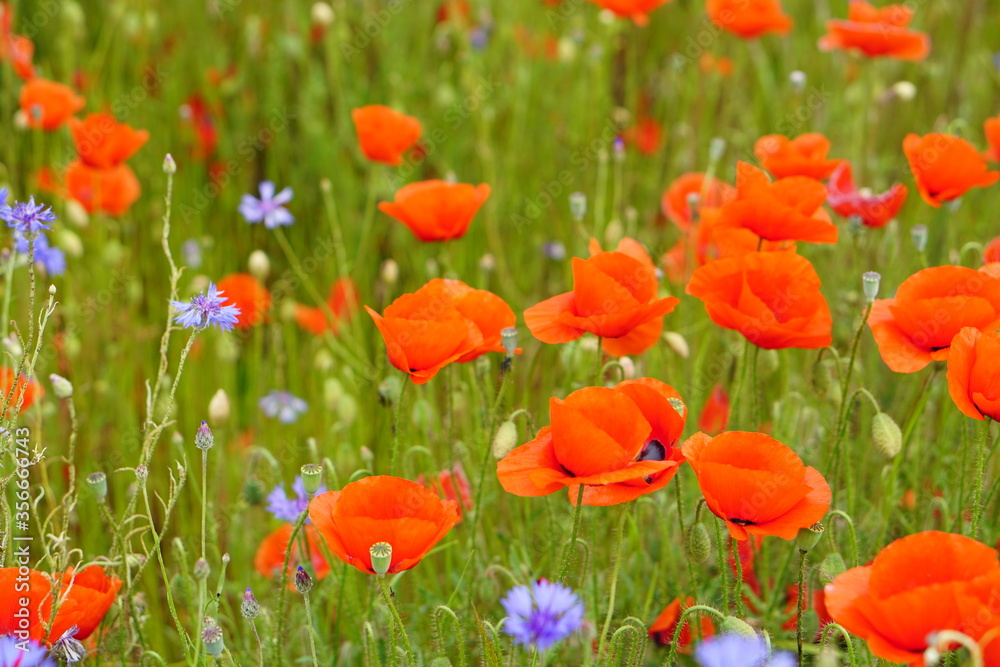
991, 251
636, 10
102, 142
770, 298
271, 553
805, 155
877, 33
112, 191
930, 307
437, 210
382, 509
749, 18
916, 586
945, 167
384, 133
757, 485
615, 297
246, 293
20, 50
874, 210
47, 104
715, 415
196, 112
342, 301
663, 628
677, 199
789, 209
991, 127
452, 484
708, 63
646, 135
631, 432
31, 390
458, 10
973, 373
85, 598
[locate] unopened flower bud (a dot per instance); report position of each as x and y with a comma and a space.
904, 90
798, 80
389, 390
871, 280
508, 338
767, 362
303, 582
389, 272
141, 473
203, 439
254, 492
322, 14
505, 439
201, 569
249, 607
697, 544
821, 379
98, 484
808, 538
833, 565
259, 265
677, 343
76, 213
716, 148
312, 477
212, 637
578, 205
628, 367
919, 236
169, 166
218, 408
381, 553
886, 435
731, 625
368, 457
487, 263
61, 387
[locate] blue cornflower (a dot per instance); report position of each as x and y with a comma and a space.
27, 218
737, 651
30, 653
269, 208
283, 405
542, 614
206, 310
52, 259
3, 197
191, 250
289, 509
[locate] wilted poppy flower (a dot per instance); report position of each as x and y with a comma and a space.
771, 298
749, 18
874, 210
103, 142
663, 628
805, 155
271, 553
945, 167
876, 33
384, 133
689, 188
756, 484
930, 307
636, 10
790, 209
246, 293
342, 302
715, 415
47, 104
437, 210
631, 432
409, 517
615, 297
452, 484
973, 370
85, 598
30, 389
917, 585
991, 127
112, 191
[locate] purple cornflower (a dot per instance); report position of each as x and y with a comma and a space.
27, 218
30, 653
3, 197
541, 614
52, 259
269, 208
283, 405
737, 651
205, 310
289, 509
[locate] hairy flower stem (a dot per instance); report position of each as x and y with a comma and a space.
734, 549
723, 566
396, 423
614, 581
755, 390
845, 404
387, 597
570, 548
312, 631
800, 603
681, 622
283, 583
977, 498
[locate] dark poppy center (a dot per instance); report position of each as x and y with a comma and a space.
743, 522
654, 450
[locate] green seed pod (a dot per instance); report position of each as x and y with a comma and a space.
697, 544
886, 435
808, 538
312, 477
381, 553
731, 625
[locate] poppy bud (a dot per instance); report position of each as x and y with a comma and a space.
368, 457
212, 637
322, 14
389, 272
904, 90
381, 553
697, 544
254, 492
487, 263
76, 213
303, 582
389, 390
201, 569
716, 148
312, 477
169, 166
798, 80
808, 538
218, 408
505, 439
98, 484
614, 232
731, 625
677, 343
886, 435
767, 362
628, 367
821, 379
833, 565
919, 236
249, 607
578, 205
259, 265
61, 387
203, 439
508, 338
870, 280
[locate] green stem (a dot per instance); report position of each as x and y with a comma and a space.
614, 582
977, 498
723, 565
396, 423
734, 549
312, 631
570, 548
366, 225
681, 622
755, 389
800, 603
387, 597
598, 380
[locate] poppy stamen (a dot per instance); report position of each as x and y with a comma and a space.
743, 522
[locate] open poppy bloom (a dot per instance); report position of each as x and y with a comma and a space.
103, 142
636, 10
631, 432
874, 210
25, 391
342, 301
452, 484
715, 415
200, 117
646, 135
916, 586
47, 104
112, 190
20, 50
930, 307
246, 293
770, 298
689, 188
756, 484
663, 628
991, 127
271, 553
406, 515
615, 297
384, 133
805, 155
789, 209
876, 33
945, 167
973, 370
749, 18
991, 251
85, 598
437, 210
